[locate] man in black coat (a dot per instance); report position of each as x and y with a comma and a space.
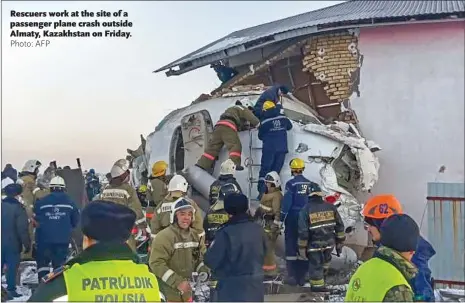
237, 255
15, 235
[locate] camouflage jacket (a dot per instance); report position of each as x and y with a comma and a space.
400, 293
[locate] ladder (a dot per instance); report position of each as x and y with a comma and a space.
250, 165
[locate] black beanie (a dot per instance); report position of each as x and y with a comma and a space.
400, 232
106, 221
236, 204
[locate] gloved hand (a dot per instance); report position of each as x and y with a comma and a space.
339, 249
302, 254
203, 276
184, 287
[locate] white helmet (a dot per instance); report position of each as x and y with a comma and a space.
120, 167
273, 177
178, 182
57, 182
181, 203
228, 167
246, 102
31, 166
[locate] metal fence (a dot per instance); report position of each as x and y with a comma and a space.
446, 232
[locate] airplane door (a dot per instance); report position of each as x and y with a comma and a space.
196, 130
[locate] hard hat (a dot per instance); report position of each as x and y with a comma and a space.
178, 182
246, 102
57, 182
159, 168
268, 105
227, 189
228, 167
297, 163
273, 177
181, 203
120, 167
381, 207
31, 166
315, 190
142, 189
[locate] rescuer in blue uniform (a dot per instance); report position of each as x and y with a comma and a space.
55, 217
295, 199
272, 94
273, 133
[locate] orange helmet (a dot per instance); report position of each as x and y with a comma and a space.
381, 207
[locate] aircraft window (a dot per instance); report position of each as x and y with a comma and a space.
300, 117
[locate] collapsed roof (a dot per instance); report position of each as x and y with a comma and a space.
350, 13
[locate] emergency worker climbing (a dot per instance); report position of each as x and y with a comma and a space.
320, 229
107, 269
217, 215
55, 217
227, 172
177, 188
375, 212
226, 131
384, 278
28, 177
273, 133
158, 181
273, 94
177, 252
295, 198
121, 192
268, 212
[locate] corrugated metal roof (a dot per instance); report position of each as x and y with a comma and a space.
306, 23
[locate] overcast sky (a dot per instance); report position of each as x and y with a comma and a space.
92, 97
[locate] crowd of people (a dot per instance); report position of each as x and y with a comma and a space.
231, 247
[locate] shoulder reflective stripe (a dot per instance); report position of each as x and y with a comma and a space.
322, 225
115, 193
40, 269
266, 207
202, 234
186, 245
140, 221
199, 266
300, 183
271, 119
167, 275
291, 258
61, 299
64, 205
35, 190
57, 205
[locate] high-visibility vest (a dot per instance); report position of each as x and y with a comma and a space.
111, 281
372, 280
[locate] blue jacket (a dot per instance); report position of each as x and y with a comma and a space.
422, 284
225, 73
296, 196
15, 225
273, 131
236, 259
57, 216
270, 94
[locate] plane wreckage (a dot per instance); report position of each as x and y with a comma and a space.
336, 155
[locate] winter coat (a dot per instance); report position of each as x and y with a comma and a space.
10, 172
238, 115
57, 215
273, 131
15, 225
216, 186
296, 195
270, 94
320, 225
215, 218
175, 254
125, 195
159, 189
92, 186
225, 73
40, 193
236, 259
422, 283
29, 185
269, 210
161, 218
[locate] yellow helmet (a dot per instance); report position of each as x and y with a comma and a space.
297, 164
268, 105
159, 168
142, 189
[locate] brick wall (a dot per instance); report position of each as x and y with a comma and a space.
334, 60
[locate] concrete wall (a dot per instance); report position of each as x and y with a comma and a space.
412, 103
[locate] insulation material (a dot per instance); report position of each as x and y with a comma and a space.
334, 60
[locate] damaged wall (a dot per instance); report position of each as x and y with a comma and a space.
412, 104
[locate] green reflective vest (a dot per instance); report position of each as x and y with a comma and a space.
372, 280
111, 281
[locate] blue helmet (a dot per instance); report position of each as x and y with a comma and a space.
91, 171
